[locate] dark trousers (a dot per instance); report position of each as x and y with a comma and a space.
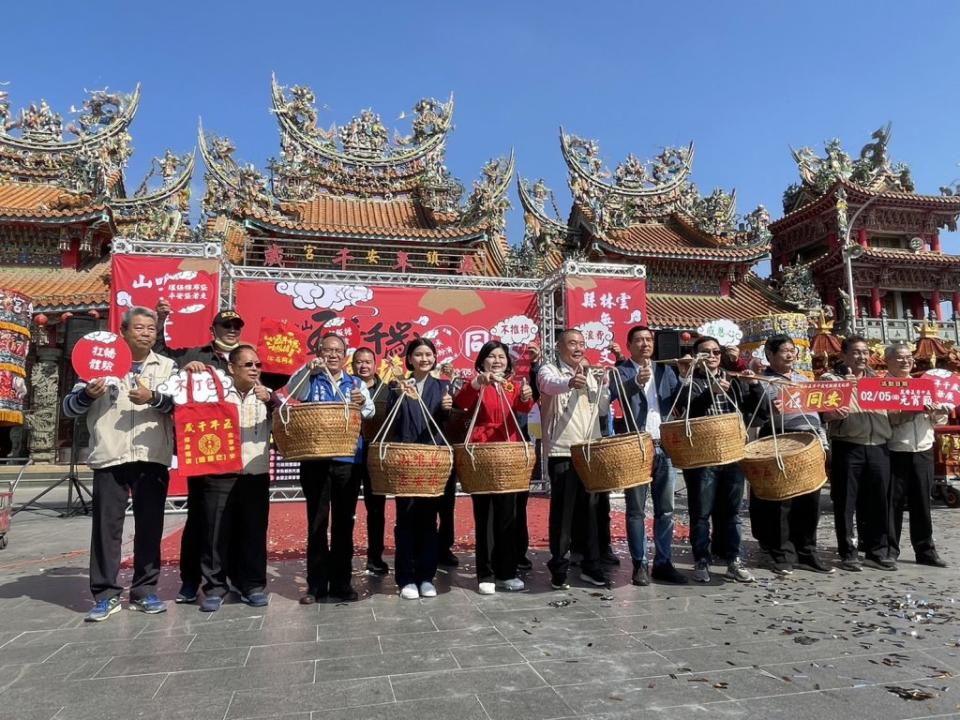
568, 500
375, 506
911, 480
445, 506
331, 489
192, 537
709, 489
235, 516
787, 529
495, 519
522, 533
415, 536
112, 487
860, 484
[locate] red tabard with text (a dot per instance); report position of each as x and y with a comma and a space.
208, 435
190, 285
887, 393
282, 346
817, 396
604, 309
385, 318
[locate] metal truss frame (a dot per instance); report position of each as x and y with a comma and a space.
128, 246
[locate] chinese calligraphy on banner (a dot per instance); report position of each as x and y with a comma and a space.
816, 396
190, 285
282, 347
604, 309
385, 318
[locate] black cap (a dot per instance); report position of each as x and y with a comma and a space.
225, 316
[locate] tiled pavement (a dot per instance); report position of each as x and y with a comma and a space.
804, 647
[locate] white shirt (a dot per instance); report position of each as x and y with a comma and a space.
654, 419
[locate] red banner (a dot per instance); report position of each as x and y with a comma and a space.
888, 393
604, 309
101, 354
385, 318
190, 285
282, 347
816, 396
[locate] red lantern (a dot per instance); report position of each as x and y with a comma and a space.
40, 320
685, 337
95, 314
65, 316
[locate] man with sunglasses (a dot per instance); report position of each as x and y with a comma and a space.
225, 330
331, 487
236, 507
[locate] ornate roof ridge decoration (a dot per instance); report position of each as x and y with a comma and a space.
161, 213
176, 172
230, 185
541, 231
358, 158
872, 170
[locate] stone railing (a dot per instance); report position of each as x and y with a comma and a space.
892, 330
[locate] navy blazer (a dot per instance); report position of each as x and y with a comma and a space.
668, 387
410, 426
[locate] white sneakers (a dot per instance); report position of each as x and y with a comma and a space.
487, 588
412, 592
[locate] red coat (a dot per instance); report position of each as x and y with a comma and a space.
494, 423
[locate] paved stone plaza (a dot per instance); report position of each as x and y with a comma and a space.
851, 645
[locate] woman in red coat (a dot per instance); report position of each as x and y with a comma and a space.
495, 514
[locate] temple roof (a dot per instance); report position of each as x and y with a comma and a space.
674, 238
38, 202
61, 289
748, 298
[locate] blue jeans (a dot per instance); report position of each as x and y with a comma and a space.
636, 497
720, 487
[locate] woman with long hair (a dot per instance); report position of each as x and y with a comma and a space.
495, 514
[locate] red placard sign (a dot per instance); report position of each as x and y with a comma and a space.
888, 393
190, 285
816, 396
604, 309
101, 354
384, 318
946, 386
282, 347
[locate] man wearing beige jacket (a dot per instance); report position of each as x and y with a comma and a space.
569, 390
911, 465
131, 446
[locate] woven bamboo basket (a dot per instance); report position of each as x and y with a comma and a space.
803, 462
409, 469
494, 467
713, 440
614, 463
315, 431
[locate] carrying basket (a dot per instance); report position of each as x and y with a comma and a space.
316, 430
704, 441
786, 466
618, 462
493, 467
409, 469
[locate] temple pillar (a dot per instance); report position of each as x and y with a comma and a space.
724, 287
955, 301
875, 305
916, 304
862, 237
935, 304
935, 244
44, 400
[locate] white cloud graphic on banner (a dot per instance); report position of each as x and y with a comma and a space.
516, 330
596, 335
314, 296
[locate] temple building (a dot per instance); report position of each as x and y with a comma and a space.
868, 211
699, 257
63, 199
353, 198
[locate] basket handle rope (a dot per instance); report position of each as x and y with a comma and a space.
385, 428
285, 402
595, 413
503, 400
430, 419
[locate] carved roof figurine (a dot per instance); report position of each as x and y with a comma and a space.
358, 182
797, 287
872, 170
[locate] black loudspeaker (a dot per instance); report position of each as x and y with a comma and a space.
667, 345
76, 328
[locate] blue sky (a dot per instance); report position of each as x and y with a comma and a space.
743, 80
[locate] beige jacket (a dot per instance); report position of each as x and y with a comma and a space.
122, 432
914, 431
565, 413
254, 431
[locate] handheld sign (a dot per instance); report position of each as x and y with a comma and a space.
101, 354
